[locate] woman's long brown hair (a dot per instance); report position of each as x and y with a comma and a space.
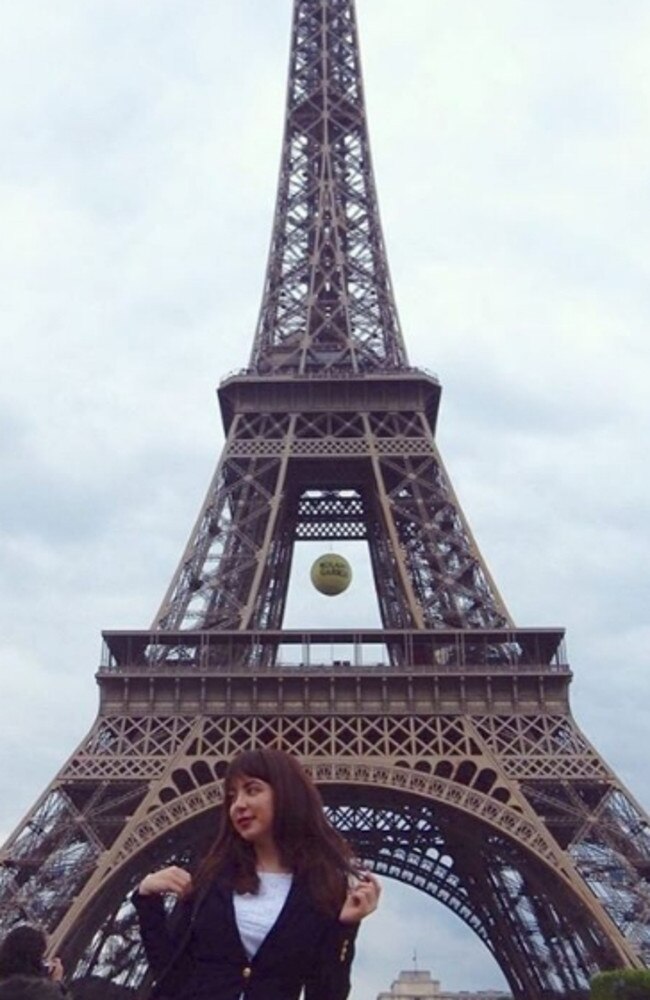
307, 843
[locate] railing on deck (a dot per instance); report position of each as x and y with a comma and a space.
372, 650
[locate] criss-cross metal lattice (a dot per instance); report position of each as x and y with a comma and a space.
443, 741
316, 474
328, 304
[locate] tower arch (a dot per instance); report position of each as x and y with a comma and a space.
404, 826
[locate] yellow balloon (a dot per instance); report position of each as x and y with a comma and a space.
331, 574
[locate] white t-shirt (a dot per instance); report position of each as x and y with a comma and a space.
256, 913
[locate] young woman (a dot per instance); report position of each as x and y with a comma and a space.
274, 906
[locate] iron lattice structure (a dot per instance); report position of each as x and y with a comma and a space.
443, 742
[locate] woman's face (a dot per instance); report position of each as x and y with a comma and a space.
251, 809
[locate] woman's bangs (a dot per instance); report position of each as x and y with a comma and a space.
250, 764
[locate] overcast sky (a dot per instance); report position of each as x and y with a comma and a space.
140, 146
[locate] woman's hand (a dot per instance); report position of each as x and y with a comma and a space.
362, 899
172, 879
55, 969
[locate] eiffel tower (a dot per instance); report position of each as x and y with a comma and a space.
443, 742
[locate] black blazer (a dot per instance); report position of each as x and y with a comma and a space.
202, 957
